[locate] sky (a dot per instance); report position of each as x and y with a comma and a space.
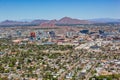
56, 9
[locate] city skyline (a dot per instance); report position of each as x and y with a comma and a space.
56, 9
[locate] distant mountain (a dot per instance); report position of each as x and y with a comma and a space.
68, 20
38, 21
25, 20
104, 20
50, 23
65, 21
10, 23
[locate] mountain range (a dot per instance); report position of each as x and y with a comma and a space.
104, 20
64, 20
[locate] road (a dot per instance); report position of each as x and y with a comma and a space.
89, 73
74, 65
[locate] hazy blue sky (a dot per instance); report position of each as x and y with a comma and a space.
56, 9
